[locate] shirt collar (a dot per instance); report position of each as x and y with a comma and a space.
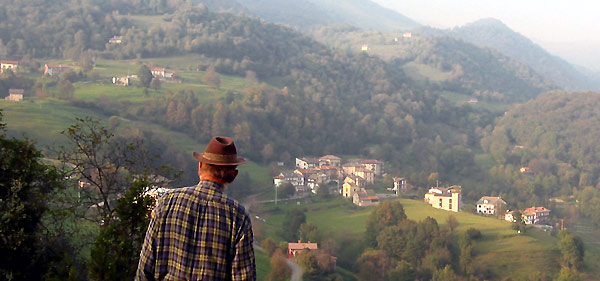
211, 185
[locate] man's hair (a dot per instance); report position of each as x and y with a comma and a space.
224, 172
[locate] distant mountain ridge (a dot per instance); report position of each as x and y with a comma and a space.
493, 33
307, 13
451, 63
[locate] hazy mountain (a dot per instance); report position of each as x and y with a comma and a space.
445, 62
493, 33
306, 13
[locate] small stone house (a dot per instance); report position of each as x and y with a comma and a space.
15, 94
365, 197
55, 70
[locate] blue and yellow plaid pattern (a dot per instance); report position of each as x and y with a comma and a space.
198, 233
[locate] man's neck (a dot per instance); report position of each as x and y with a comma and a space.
214, 179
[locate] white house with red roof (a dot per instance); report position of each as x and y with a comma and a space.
536, 215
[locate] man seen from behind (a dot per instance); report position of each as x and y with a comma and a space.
197, 232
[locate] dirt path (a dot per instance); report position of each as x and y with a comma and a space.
296, 270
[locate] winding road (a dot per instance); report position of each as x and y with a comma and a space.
296, 270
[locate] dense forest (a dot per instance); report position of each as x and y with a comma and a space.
554, 136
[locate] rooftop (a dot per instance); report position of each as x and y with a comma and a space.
490, 200
300, 246
536, 210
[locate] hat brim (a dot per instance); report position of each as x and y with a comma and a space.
200, 157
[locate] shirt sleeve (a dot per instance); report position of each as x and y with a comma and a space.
244, 267
146, 270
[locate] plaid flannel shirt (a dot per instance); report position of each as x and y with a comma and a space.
198, 233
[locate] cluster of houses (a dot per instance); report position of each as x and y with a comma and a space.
52, 70
328, 172
449, 199
13, 94
17, 94
488, 205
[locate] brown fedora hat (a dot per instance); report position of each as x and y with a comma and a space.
220, 151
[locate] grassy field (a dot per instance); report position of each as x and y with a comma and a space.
421, 72
500, 249
263, 264
590, 235
43, 120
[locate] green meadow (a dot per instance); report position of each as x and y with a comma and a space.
263, 264
503, 251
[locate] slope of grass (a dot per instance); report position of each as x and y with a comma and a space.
263, 264
590, 235
421, 72
41, 120
500, 249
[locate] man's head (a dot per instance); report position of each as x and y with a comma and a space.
219, 160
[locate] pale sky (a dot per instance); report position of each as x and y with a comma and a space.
566, 28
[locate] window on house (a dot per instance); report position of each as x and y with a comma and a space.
450, 206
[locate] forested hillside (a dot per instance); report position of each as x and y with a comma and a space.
452, 64
555, 136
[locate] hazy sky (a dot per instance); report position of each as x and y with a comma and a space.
567, 28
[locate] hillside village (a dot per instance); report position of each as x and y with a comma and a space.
350, 180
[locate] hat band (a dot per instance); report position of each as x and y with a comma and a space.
229, 158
